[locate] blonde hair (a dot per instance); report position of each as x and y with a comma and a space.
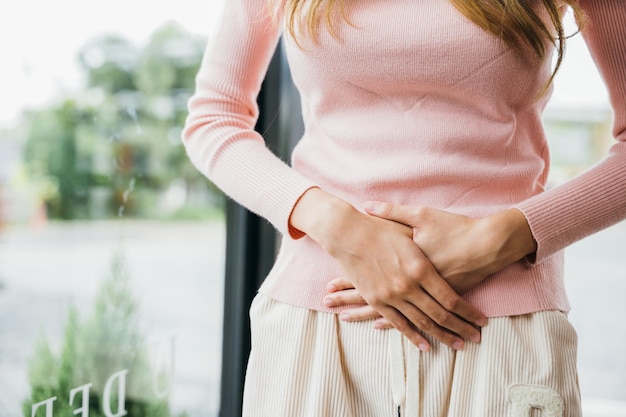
516, 22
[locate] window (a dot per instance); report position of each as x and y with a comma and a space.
578, 124
111, 244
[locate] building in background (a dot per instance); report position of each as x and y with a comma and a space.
578, 138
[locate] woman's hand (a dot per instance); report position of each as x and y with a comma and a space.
463, 250
389, 271
341, 292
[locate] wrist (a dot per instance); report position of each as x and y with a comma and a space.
513, 234
319, 215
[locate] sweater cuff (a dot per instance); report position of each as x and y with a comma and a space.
588, 203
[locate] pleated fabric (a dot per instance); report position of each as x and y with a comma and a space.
307, 363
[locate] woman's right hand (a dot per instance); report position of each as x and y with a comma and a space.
388, 270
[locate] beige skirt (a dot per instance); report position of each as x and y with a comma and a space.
308, 363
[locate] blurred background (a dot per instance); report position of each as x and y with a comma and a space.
112, 245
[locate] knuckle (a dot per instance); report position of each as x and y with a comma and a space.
425, 325
416, 268
401, 325
444, 319
451, 302
401, 287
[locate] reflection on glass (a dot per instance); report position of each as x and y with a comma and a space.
111, 243
108, 339
578, 125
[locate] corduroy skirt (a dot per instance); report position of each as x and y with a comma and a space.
306, 363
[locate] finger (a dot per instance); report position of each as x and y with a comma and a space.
452, 302
382, 323
453, 325
343, 298
444, 326
401, 214
338, 284
359, 314
404, 326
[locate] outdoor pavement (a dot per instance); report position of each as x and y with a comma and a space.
177, 277
176, 273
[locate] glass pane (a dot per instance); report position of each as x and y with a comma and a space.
111, 244
578, 124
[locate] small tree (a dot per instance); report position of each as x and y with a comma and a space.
108, 341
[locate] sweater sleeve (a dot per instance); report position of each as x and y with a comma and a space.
595, 199
219, 134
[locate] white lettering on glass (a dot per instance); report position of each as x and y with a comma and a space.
47, 403
168, 376
120, 377
525, 398
84, 407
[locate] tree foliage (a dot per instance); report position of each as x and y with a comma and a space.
108, 341
114, 148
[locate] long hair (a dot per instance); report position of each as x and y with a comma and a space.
516, 22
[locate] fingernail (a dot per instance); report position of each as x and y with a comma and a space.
372, 206
378, 325
344, 316
475, 338
331, 288
481, 322
458, 345
423, 347
329, 302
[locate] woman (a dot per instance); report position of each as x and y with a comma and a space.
434, 109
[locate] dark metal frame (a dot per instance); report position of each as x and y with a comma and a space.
251, 242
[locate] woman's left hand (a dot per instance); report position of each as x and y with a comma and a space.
463, 250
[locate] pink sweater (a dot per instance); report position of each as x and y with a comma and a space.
413, 105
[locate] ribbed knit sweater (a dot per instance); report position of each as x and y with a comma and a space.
411, 104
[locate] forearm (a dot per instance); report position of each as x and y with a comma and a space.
219, 134
595, 199
511, 237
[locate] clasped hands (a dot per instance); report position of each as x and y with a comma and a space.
407, 267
